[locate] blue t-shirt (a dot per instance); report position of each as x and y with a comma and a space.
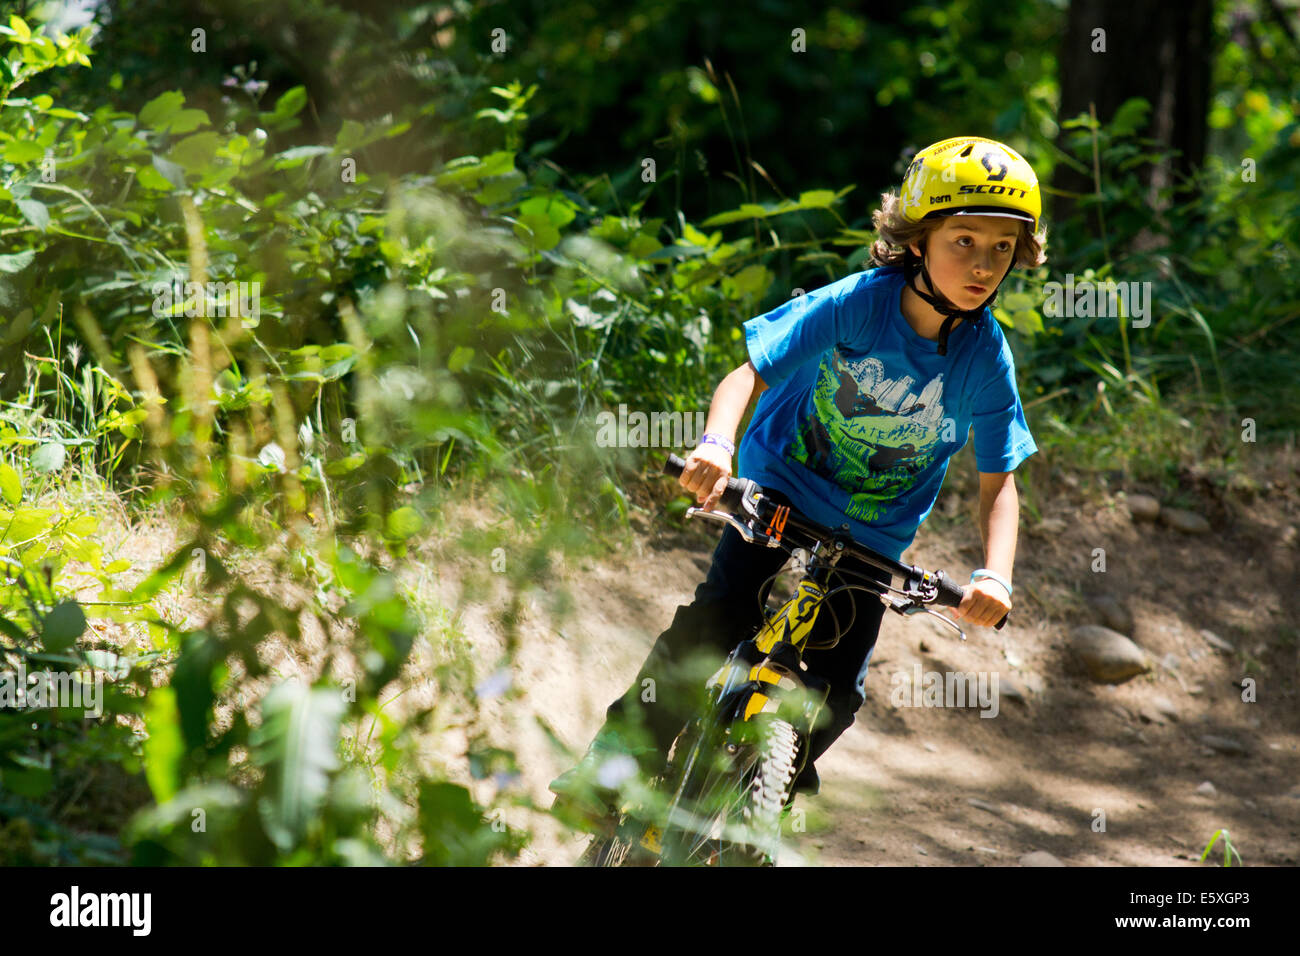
862, 414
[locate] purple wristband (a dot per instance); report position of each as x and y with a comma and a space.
713, 439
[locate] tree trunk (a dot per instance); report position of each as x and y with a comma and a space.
1155, 50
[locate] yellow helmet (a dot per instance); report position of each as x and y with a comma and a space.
970, 175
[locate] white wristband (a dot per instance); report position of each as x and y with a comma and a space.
986, 573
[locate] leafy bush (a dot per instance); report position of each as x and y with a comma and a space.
304, 409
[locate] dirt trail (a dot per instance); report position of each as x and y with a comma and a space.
1093, 774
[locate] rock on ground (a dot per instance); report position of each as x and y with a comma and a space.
1040, 858
1108, 656
1143, 507
1187, 522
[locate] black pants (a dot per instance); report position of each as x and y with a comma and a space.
727, 610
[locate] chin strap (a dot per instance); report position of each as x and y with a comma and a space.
912, 267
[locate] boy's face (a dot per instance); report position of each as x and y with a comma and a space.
967, 256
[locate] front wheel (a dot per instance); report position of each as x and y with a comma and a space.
730, 814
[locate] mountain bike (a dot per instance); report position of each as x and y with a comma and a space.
728, 780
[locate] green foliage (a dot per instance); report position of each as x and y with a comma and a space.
1219, 258
306, 406
68, 764
1228, 848
622, 82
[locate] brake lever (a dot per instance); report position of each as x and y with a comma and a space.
909, 607
740, 526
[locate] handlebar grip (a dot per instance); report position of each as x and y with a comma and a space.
950, 592
731, 498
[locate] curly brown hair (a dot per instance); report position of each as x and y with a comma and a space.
897, 233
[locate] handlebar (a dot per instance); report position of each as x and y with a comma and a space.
746, 497
731, 499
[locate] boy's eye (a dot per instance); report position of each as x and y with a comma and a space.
1003, 246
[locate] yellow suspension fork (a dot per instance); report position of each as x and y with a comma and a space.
794, 623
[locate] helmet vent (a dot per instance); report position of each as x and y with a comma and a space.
966, 152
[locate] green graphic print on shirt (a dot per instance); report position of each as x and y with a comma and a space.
867, 433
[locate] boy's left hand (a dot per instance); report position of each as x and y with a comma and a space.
984, 603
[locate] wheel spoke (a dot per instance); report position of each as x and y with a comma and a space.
726, 805
717, 804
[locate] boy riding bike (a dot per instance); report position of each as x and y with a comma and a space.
866, 387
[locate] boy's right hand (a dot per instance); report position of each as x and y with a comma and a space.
706, 473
